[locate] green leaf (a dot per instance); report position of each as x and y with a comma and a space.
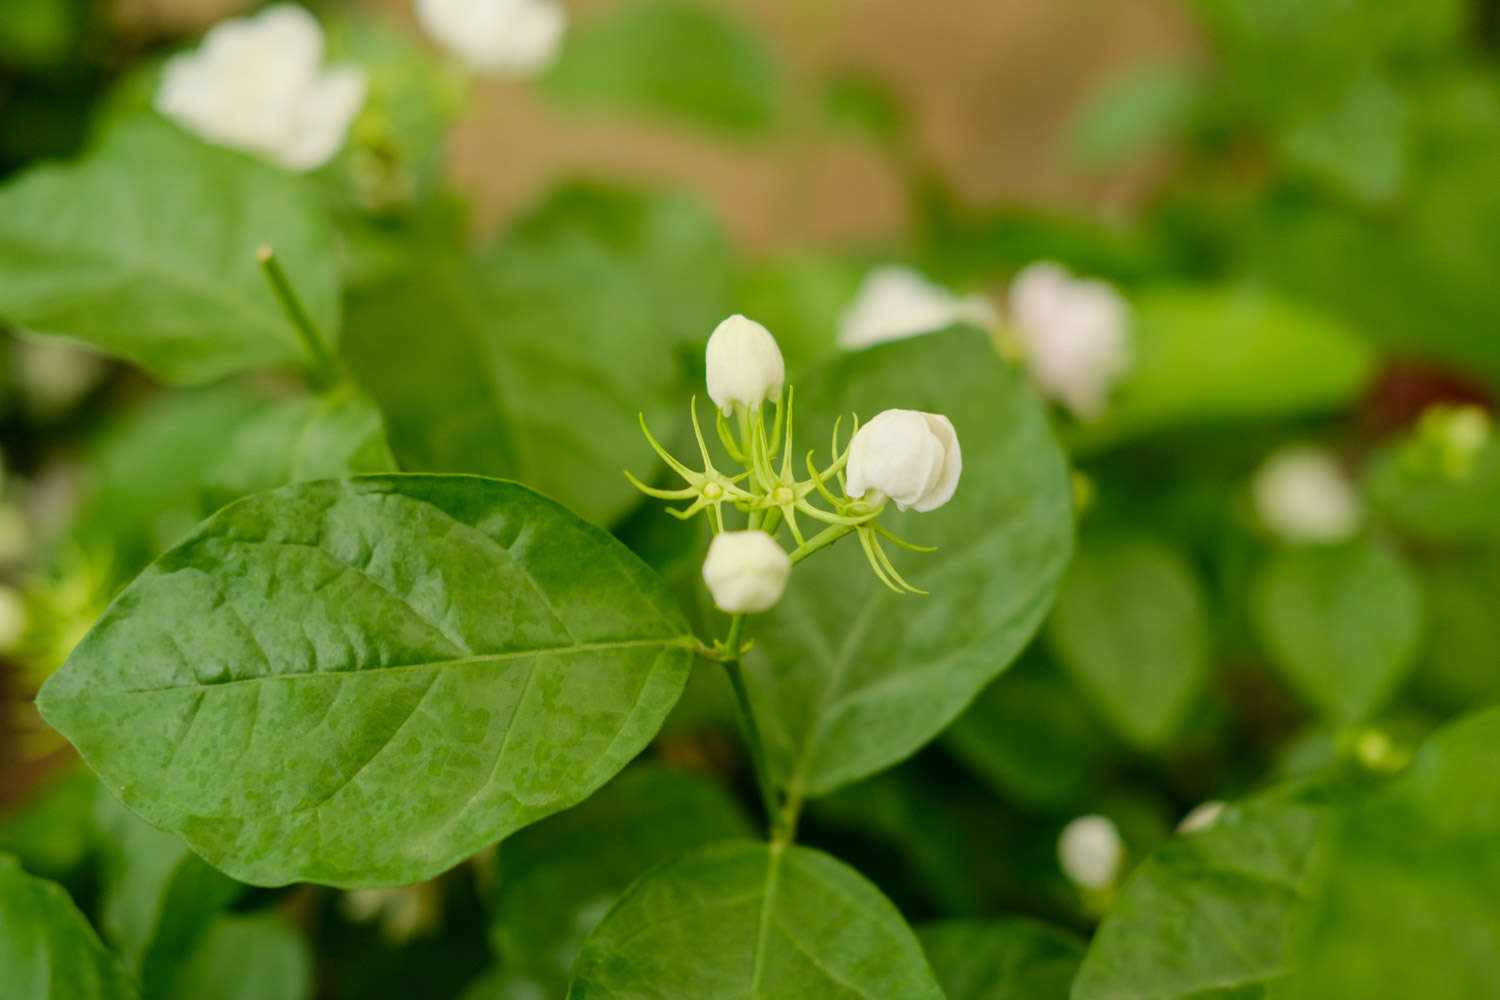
527, 363
1132, 631
1009, 959
53, 834
1030, 737
1341, 623
1463, 632
297, 440
848, 677
1212, 355
671, 59
555, 880
1408, 487
1409, 907
1133, 114
1362, 145
1208, 915
48, 951
752, 921
247, 958
146, 248
668, 245
385, 675
156, 895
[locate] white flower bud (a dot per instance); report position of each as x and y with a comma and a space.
907, 455
1090, 852
1201, 817
257, 84
894, 302
746, 571
1301, 494
744, 365
1075, 335
502, 37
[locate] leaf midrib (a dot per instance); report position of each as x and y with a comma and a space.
680, 641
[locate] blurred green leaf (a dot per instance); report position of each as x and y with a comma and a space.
40, 34
1341, 623
1409, 907
1421, 499
299, 439
146, 248
48, 951
255, 957
1008, 959
555, 880
363, 748
1131, 628
1362, 145
849, 677
672, 59
531, 364
668, 244
1029, 736
1458, 666
864, 105
1209, 913
157, 896
1206, 355
54, 833
1132, 115
749, 920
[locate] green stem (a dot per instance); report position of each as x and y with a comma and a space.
757, 748
820, 541
323, 366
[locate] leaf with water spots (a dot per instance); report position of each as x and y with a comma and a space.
361, 682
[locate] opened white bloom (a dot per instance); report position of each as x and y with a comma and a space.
1091, 852
1201, 817
258, 84
895, 302
509, 37
1074, 333
907, 456
745, 367
746, 571
1302, 495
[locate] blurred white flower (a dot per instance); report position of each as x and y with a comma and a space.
1302, 495
54, 374
1074, 334
907, 455
895, 302
258, 84
403, 913
503, 37
746, 571
1091, 852
1201, 817
745, 367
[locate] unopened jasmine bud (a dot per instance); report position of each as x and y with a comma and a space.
745, 367
907, 456
1090, 852
746, 571
1302, 496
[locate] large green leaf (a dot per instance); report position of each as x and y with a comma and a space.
247, 958
849, 677
1409, 907
1209, 915
146, 248
1342, 623
380, 677
674, 59
156, 896
299, 439
556, 879
1012, 959
1217, 354
752, 921
48, 951
1132, 631
531, 363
